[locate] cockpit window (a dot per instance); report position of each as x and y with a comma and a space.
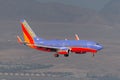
97, 43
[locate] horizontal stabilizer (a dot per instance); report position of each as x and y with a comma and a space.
19, 40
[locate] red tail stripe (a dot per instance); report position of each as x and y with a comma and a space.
26, 33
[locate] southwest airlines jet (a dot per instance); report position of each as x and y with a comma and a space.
59, 47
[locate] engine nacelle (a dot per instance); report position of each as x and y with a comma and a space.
63, 52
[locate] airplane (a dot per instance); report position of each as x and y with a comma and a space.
59, 47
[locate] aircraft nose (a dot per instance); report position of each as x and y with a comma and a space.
99, 47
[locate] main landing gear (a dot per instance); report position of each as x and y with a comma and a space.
57, 55
66, 55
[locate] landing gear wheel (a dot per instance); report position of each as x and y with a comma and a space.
66, 55
93, 55
56, 55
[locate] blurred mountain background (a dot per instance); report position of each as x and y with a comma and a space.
61, 11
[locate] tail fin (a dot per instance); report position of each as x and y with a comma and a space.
28, 33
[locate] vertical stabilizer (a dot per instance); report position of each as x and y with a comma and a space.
28, 33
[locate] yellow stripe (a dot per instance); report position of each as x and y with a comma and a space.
26, 39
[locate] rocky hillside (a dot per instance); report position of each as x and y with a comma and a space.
50, 12
111, 11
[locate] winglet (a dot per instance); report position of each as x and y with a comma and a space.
77, 37
19, 40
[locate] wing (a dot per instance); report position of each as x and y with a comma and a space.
53, 48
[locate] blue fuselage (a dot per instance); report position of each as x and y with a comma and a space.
70, 43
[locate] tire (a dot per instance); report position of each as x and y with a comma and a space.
66, 55
56, 55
